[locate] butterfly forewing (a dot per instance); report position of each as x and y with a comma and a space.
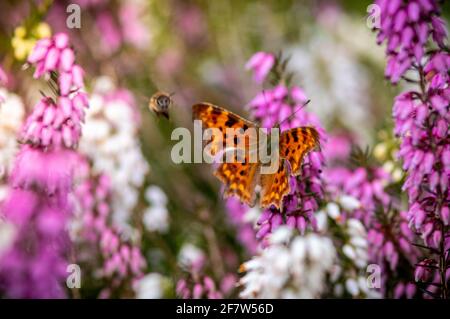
213, 116
296, 143
241, 175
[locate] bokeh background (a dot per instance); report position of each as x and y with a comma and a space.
174, 213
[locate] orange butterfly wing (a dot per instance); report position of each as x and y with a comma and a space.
274, 187
296, 143
240, 178
213, 116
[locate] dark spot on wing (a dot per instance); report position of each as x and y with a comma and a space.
230, 122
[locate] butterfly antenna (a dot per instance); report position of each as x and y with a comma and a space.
290, 116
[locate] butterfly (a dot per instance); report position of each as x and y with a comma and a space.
160, 103
241, 177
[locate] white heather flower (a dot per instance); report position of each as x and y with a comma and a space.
352, 274
322, 221
12, 112
190, 256
151, 286
156, 196
7, 234
333, 210
349, 251
349, 203
351, 285
356, 247
282, 236
251, 216
290, 267
156, 216
110, 140
156, 219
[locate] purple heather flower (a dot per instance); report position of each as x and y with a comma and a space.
421, 122
406, 27
41, 180
422, 125
36, 273
3, 77
55, 55
121, 260
274, 106
388, 235
111, 38
245, 231
56, 124
436, 70
38, 207
198, 287
366, 185
260, 63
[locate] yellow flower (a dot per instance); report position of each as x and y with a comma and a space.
43, 30
380, 151
23, 41
20, 32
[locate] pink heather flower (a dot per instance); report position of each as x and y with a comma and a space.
260, 63
197, 287
245, 231
388, 236
39, 271
338, 148
271, 107
41, 181
366, 185
134, 31
421, 122
38, 207
55, 55
406, 27
50, 171
3, 77
121, 260
111, 38
423, 126
436, 70
56, 124
190, 22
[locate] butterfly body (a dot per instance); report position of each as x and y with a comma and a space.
241, 177
160, 103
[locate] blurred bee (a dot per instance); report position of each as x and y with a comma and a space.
160, 103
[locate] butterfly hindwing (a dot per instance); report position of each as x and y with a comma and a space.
296, 143
274, 187
240, 179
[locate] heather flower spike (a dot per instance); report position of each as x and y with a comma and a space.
421, 123
38, 203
